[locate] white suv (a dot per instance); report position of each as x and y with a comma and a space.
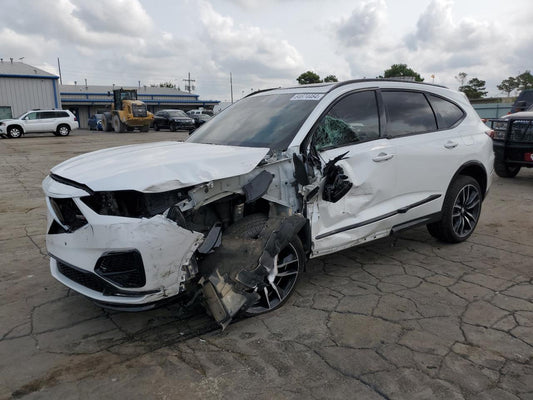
60, 122
279, 177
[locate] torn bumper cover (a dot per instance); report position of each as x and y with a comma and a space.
123, 261
240, 267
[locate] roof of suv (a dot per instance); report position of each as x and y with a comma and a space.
327, 87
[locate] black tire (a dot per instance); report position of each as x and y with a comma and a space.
156, 127
14, 132
118, 126
107, 125
460, 211
63, 130
277, 292
504, 170
173, 126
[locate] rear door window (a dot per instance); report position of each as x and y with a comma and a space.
408, 113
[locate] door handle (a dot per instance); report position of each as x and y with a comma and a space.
382, 157
450, 144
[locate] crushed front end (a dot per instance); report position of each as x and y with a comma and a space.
117, 248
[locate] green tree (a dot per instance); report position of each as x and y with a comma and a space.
508, 85
331, 78
474, 89
525, 80
168, 85
400, 71
308, 77
461, 78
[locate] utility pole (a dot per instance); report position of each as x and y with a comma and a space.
188, 87
59, 67
231, 86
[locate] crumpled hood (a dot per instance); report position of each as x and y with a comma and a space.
160, 166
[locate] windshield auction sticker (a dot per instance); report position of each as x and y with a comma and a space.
307, 96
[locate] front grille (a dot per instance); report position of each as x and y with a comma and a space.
85, 278
139, 110
521, 131
125, 269
68, 213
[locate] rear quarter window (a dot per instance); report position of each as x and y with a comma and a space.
448, 114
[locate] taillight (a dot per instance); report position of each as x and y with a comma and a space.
75, 119
490, 132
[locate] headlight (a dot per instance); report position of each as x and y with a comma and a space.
500, 125
499, 135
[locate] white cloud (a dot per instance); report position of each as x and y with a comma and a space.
247, 49
363, 24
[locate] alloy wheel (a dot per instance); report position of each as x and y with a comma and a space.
281, 281
466, 210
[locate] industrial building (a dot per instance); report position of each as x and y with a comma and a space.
23, 88
85, 101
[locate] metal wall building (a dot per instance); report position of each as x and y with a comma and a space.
85, 101
23, 88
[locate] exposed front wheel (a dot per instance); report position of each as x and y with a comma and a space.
460, 211
504, 170
14, 132
289, 264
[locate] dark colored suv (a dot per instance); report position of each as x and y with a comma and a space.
513, 143
175, 120
523, 101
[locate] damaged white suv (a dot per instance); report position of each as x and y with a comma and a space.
279, 177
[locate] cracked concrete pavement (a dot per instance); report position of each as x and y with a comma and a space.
409, 318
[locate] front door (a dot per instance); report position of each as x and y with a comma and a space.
367, 172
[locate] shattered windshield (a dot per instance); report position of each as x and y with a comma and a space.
270, 120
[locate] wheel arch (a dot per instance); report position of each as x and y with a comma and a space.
475, 170
16, 126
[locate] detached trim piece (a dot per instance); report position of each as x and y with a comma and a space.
70, 182
402, 210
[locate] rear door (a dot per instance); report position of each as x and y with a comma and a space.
429, 150
352, 127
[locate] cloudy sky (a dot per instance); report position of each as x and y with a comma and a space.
267, 43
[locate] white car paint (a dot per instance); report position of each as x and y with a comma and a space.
387, 174
156, 167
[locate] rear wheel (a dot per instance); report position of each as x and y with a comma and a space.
63, 130
460, 211
107, 124
288, 266
504, 170
14, 132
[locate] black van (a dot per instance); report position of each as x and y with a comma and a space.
523, 101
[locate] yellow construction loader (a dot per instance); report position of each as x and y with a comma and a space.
127, 113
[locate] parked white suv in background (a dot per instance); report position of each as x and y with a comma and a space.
59, 122
280, 176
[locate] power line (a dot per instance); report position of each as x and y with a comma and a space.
188, 87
